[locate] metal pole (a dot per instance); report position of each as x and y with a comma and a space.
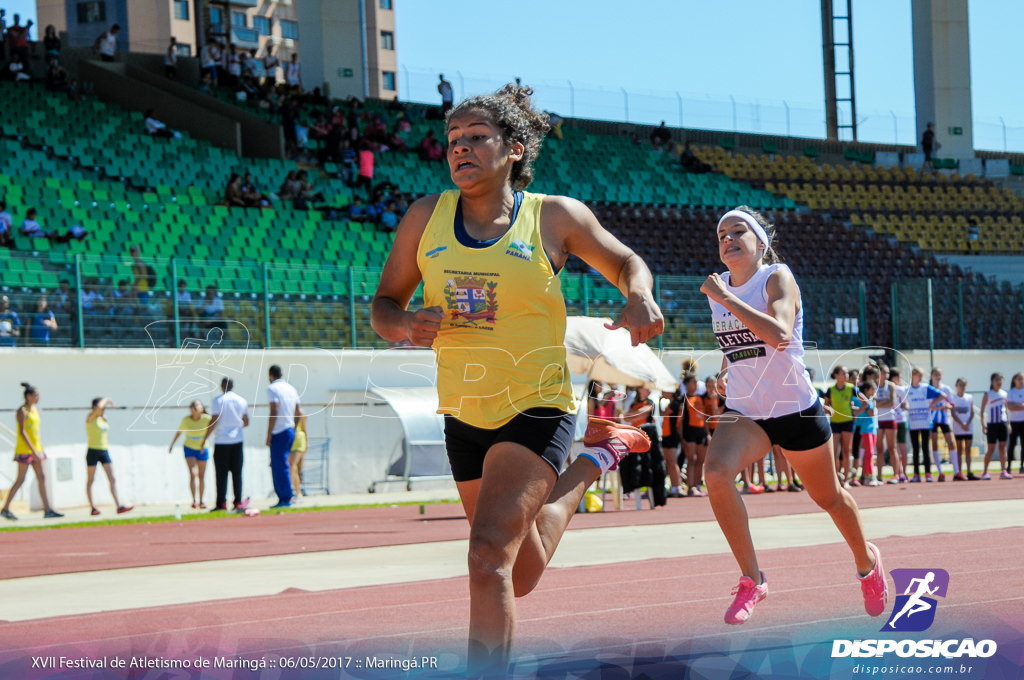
266, 307
733, 100
960, 307
894, 316
862, 293
586, 295
1004, 132
78, 299
625, 100
362, 48
462, 84
405, 75
352, 304
174, 302
657, 297
931, 326
679, 99
895, 128
786, 104
572, 100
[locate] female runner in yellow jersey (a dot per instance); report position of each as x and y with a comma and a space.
488, 255
29, 451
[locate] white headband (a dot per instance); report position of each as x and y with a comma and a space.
749, 220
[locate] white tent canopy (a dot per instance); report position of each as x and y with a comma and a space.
609, 356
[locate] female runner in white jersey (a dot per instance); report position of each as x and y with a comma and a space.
1015, 408
757, 317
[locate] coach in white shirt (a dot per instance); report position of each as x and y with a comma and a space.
230, 414
284, 412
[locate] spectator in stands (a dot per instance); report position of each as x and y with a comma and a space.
356, 210
973, 233
17, 39
234, 66
106, 43
157, 129
290, 187
349, 162
366, 165
446, 92
293, 74
6, 226
270, 64
661, 137
928, 143
42, 323
206, 84
209, 60
51, 43
145, 275
389, 217
233, 196
30, 227
122, 300
10, 324
252, 196
16, 72
430, 148
64, 301
171, 60
307, 192
688, 159
211, 309
92, 299
76, 91
76, 233
184, 298
57, 78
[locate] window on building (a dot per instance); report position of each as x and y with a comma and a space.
387, 40
389, 80
238, 19
181, 9
184, 50
261, 24
216, 21
386, 4
92, 12
290, 29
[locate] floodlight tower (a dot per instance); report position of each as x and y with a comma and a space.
840, 93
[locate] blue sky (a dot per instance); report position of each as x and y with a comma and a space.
732, 63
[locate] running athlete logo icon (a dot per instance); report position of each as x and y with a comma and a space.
914, 610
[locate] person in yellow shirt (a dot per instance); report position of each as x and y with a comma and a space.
194, 427
298, 452
488, 255
98, 453
29, 451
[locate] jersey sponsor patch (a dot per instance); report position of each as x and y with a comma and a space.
737, 338
744, 354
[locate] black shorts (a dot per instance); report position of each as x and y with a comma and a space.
695, 435
940, 427
801, 431
670, 441
997, 433
963, 437
548, 432
94, 457
840, 427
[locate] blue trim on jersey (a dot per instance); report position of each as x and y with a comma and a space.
463, 237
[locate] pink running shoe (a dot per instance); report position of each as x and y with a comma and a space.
607, 443
747, 595
874, 586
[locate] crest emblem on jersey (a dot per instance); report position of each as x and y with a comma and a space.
471, 298
521, 249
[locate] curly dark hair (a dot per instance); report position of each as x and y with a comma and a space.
770, 256
512, 112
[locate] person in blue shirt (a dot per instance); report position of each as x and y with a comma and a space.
43, 322
10, 324
866, 418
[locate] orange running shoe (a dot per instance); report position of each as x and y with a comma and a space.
607, 443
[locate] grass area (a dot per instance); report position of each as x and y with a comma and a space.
205, 515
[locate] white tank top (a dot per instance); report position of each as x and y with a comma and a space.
1017, 397
763, 382
962, 407
108, 45
886, 414
996, 407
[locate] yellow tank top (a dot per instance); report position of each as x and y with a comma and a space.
31, 431
194, 430
501, 347
96, 429
300, 440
